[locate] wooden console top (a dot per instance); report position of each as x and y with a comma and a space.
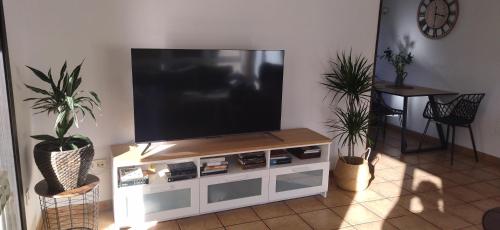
131, 153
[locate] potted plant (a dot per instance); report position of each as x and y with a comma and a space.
399, 61
350, 81
64, 160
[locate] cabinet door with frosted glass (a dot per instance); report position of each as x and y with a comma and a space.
158, 202
297, 181
231, 191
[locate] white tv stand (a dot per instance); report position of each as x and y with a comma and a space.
161, 200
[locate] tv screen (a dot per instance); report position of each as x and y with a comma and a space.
186, 93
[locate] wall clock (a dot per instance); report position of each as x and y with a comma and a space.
436, 18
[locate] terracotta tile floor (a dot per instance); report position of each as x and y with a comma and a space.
416, 191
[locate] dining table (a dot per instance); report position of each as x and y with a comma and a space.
407, 91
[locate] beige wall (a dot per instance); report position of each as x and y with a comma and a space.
45, 33
465, 61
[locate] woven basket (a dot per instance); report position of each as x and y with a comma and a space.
64, 170
353, 176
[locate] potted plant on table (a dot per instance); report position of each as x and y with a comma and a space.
350, 81
399, 61
63, 160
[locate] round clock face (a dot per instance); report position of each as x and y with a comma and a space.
436, 18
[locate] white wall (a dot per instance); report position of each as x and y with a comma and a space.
45, 33
466, 61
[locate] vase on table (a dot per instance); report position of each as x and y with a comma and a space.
400, 78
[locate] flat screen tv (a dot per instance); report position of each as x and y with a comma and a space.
187, 93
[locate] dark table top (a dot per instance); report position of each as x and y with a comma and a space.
409, 90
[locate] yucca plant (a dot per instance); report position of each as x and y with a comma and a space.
63, 99
350, 81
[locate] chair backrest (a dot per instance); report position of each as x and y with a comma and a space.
466, 106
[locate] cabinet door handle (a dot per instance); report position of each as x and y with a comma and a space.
244, 177
301, 169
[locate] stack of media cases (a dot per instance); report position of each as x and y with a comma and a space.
252, 160
213, 165
306, 152
132, 175
179, 171
280, 156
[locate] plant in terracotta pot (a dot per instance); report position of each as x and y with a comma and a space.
64, 160
399, 61
350, 81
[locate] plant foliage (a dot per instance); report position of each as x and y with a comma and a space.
350, 81
63, 99
399, 61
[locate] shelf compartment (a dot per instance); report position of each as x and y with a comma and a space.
235, 168
298, 162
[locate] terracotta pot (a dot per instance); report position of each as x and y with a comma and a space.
64, 170
352, 173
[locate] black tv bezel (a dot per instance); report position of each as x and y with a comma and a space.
211, 136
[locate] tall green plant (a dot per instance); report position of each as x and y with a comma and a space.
350, 81
63, 99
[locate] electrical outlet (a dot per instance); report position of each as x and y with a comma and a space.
99, 165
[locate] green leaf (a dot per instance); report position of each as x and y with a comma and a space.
37, 90
61, 74
76, 71
39, 74
44, 137
95, 96
76, 84
81, 138
31, 99
60, 118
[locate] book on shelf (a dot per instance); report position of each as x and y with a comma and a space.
280, 161
215, 163
182, 167
253, 166
252, 155
206, 173
212, 160
181, 177
132, 175
252, 161
306, 152
140, 181
215, 167
311, 149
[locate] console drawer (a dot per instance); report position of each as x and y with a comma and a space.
297, 181
232, 191
137, 204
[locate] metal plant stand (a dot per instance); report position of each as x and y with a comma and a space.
73, 209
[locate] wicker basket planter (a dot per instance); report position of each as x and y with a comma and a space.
352, 174
64, 170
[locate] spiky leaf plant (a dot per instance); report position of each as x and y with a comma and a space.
63, 99
350, 81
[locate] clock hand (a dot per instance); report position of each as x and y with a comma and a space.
435, 12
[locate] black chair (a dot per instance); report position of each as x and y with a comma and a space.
460, 112
380, 111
